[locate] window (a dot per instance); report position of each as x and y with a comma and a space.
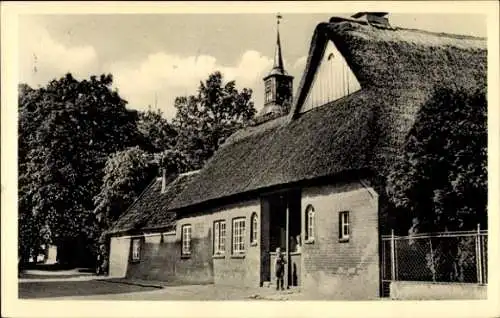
255, 228
310, 226
136, 250
269, 94
186, 239
344, 228
238, 236
219, 237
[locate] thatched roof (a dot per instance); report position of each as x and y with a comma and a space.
397, 70
150, 210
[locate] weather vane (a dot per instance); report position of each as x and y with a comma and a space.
278, 17
35, 69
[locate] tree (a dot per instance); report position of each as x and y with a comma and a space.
173, 161
440, 182
207, 119
157, 132
126, 174
441, 179
66, 131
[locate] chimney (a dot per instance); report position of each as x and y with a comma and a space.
163, 179
373, 18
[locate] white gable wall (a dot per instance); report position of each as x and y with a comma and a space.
119, 255
333, 80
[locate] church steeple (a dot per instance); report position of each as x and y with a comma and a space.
278, 84
278, 58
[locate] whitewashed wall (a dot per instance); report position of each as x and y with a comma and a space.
119, 255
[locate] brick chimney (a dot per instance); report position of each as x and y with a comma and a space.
373, 18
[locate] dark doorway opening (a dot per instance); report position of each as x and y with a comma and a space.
283, 214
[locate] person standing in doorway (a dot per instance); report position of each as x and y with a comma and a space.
293, 244
280, 269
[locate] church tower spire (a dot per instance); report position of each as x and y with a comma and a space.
278, 58
278, 84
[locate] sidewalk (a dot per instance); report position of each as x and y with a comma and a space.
58, 279
34, 275
136, 282
211, 291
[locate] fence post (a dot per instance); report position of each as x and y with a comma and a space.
479, 256
393, 257
433, 266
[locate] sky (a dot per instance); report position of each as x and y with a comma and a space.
156, 57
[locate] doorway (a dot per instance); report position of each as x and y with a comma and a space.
282, 215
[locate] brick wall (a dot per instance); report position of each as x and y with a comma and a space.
157, 259
162, 259
198, 266
434, 291
228, 269
342, 270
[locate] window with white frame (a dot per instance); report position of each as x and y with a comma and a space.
186, 239
254, 229
219, 237
136, 249
238, 236
344, 226
310, 224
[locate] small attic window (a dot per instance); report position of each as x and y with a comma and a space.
333, 80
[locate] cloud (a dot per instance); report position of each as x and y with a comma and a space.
164, 76
42, 58
300, 63
252, 67
157, 78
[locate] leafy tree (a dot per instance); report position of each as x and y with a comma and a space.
173, 161
207, 119
66, 131
126, 174
441, 179
69, 184
157, 132
440, 182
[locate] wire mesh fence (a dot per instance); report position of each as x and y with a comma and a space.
439, 257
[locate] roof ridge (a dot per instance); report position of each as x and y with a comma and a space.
445, 34
188, 173
336, 19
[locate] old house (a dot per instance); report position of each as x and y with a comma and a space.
306, 178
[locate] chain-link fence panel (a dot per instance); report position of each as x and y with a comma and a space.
447, 257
